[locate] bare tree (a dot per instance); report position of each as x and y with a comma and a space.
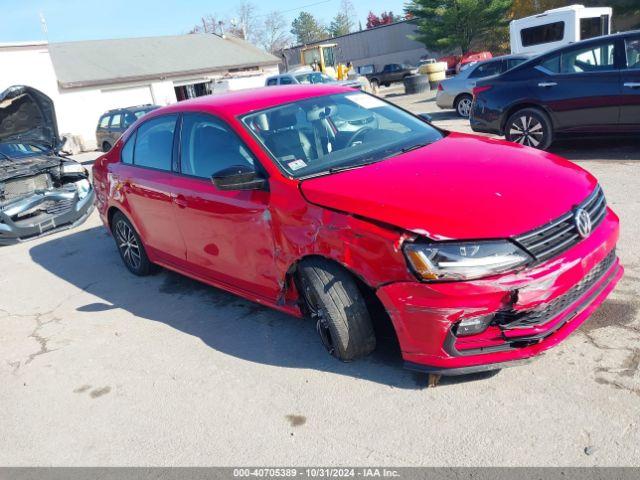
244, 24
208, 24
274, 35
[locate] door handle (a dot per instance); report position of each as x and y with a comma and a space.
547, 84
632, 84
180, 200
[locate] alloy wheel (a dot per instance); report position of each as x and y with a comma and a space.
128, 245
527, 130
322, 324
464, 107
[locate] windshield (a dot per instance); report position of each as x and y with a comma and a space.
314, 77
18, 150
326, 134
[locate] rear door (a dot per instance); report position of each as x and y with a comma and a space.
630, 105
581, 87
147, 180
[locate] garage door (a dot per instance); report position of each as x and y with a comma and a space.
126, 97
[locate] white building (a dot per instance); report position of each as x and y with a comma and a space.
85, 79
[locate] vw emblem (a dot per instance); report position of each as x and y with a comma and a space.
582, 220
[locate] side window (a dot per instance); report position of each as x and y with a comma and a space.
209, 145
514, 62
104, 121
116, 120
551, 32
486, 69
129, 119
589, 59
552, 64
154, 143
285, 81
633, 52
126, 154
272, 81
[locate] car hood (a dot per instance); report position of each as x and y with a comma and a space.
27, 115
461, 187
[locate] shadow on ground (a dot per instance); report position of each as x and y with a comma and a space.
598, 148
89, 261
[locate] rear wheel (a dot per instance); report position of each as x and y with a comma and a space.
130, 246
332, 299
463, 105
106, 146
530, 127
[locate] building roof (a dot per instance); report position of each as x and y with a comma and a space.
102, 62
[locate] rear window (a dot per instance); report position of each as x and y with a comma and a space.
154, 143
551, 32
104, 122
486, 69
594, 27
116, 120
514, 62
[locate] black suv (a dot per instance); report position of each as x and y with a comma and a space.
113, 124
588, 87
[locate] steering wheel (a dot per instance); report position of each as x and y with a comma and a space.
357, 135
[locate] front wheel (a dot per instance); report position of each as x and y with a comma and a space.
529, 127
333, 300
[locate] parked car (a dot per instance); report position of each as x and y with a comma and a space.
457, 92
40, 191
472, 57
589, 87
477, 260
456, 62
113, 124
391, 73
309, 78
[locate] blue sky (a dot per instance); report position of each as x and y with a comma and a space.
96, 19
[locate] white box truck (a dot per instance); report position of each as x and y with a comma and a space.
557, 27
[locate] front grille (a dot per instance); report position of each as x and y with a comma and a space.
509, 319
62, 206
561, 234
21, 187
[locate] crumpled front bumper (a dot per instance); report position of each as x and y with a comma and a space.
66, 210
423, 314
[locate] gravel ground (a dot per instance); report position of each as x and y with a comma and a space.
98, 367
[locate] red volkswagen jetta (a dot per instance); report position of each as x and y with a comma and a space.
331, 203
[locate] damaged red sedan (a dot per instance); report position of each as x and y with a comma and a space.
326, 202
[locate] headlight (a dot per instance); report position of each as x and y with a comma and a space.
73, 168
464, 260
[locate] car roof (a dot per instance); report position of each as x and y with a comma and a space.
246, 101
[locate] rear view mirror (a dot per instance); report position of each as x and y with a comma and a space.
239, 177
426, 117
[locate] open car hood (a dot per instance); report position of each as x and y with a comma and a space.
460, 187
27, 115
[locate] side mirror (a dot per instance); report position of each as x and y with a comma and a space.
426, 117
239, 177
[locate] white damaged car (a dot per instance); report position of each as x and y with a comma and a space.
40, 191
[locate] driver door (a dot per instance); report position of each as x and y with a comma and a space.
228, 234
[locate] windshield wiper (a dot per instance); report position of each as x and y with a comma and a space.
351, 166
415, 147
